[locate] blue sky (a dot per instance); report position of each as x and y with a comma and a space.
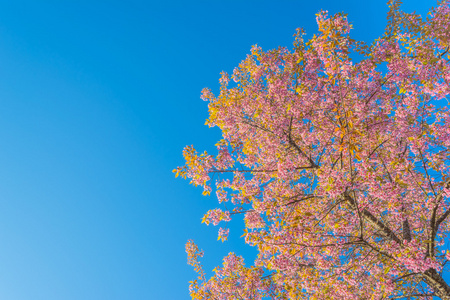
97, 101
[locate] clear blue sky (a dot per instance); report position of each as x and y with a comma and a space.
97, 101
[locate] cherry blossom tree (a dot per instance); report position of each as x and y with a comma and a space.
338, 155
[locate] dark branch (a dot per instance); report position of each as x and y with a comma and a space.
370, 218
293, 144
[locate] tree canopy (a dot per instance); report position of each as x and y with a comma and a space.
338, 154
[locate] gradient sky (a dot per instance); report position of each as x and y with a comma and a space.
97, 101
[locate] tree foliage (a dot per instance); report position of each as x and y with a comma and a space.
338, 154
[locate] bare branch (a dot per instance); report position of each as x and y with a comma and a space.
374, 221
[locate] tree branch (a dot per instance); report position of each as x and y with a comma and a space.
374, 221
293, 144
440, 287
